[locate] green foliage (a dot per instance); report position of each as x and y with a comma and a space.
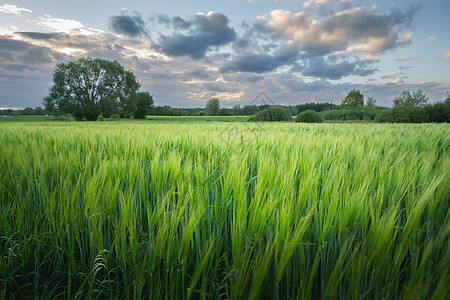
213, 107
294, 111
272, 113
226, 112
144, 102
353, 99
172, 211
318, 107
366, 113
439, 112
371, 101
417, 98
309, 116
87, 87
249, 110
403, 114
28, 111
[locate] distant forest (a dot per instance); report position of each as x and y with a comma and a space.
166, 110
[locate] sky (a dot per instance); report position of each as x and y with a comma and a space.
187, 52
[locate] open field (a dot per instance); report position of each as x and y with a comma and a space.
224, 210
179, 119
198, 118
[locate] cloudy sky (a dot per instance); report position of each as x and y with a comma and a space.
185, 52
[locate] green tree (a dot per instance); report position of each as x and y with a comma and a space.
403, 114
272, 113
353, 99
249, 110
237, 110
144, 102
213, 107
309, 116
371, 101
39, 111
27, 111
417, 98
88, 87
226, 111
439, 112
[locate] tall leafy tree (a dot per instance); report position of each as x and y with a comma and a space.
371, 101
213, 107
88, 87
144, 102
353, 99
406, 98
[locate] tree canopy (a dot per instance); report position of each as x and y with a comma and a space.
88, 87
416, 98
272, 113
353, 99
309, 116
144, 102
213, 107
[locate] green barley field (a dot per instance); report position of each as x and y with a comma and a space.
224, 210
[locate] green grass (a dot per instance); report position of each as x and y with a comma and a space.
177, 119
25, 118
224, 210
182, 119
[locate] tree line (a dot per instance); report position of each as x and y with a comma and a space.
38, 111
88, 89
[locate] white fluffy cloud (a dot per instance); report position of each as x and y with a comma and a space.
58, 24
353, 30
13, 9
393, 74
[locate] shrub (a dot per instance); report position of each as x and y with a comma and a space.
439, 112
272, 113
403, 114
385, 116
353, 114
309, 116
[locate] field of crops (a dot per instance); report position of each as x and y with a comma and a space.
224, 210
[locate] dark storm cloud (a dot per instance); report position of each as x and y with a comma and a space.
205, 32
132, 26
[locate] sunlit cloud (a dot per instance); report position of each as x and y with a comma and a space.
13, 9
8, 31
58, 24
393, 74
